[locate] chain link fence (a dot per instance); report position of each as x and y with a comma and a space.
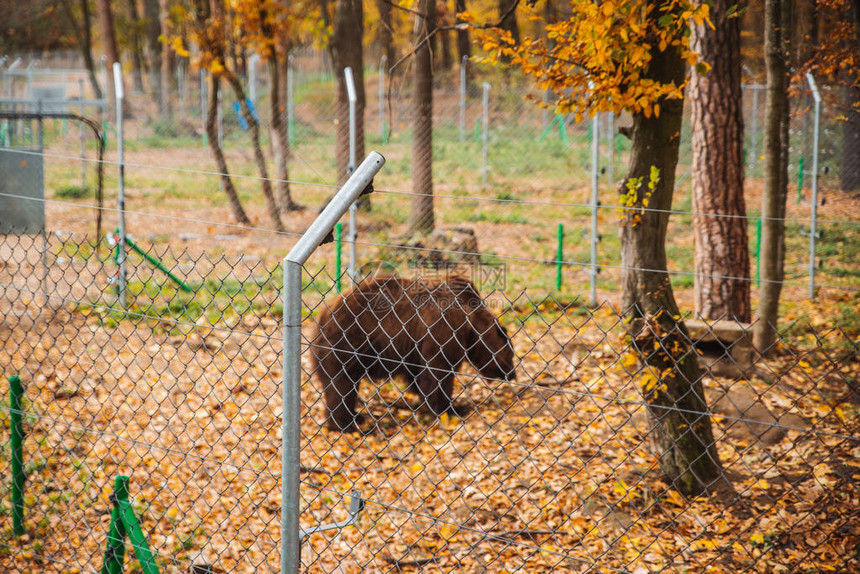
547, 459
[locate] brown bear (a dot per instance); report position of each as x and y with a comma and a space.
423, 331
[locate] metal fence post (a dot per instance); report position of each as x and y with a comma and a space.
485, 135
291, 130
350, 168
120, 260
814, 199
463, 97
595, 174
382, 64
358, 182
16, 392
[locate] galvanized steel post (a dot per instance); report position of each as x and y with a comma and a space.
358, 182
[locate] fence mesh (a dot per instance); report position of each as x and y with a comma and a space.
553, 466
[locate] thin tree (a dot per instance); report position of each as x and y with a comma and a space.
464, 47
421, 219
722, 286
83, 38
152, 15
777, 49
108, 38
236, 209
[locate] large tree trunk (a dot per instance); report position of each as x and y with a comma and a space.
280, 137
421, 217
212, 137
777, 46
254, 128
345, 47
153, 47
108, 40
722, 252
849, 174
464, 48
681, 435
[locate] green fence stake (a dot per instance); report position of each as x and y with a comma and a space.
124, 523
800, 179
559, 256
156, 263
757, 251
115, 550
338, 234
138, 540
16, 391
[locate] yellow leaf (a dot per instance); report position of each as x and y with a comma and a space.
757, 539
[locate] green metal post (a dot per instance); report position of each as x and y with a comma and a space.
158, 265
338, 234
16, 391
135, 534
757, 251
559, 256
800, 179
115, 550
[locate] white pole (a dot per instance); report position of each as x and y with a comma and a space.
463, 62
121, 278
814, 216
611, 138
290, 113
203, 101
595, 173
382, 63
83, 140
350, 167
219, 114
485, 135
252, 79
180, 81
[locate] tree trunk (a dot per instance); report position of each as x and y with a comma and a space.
508, 14
772, 256
345, 47
166, 66
280, 137
386, 31
681, 437
447, 57
136, 47
212, 137
464, 48
722, 253
254, 128
153, 48
83, 38
849, 174
421, 216
109, 42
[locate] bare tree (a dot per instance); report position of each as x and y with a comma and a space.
83, 38
777, 49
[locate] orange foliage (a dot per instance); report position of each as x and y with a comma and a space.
597, 59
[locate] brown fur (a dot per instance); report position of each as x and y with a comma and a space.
387, 326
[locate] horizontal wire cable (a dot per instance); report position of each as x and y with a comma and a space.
542, 261
533, 384
640, 209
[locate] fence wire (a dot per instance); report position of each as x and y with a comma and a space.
549, 457
554, 469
